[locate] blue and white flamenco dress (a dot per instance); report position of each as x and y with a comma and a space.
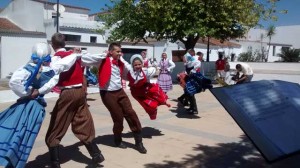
21, 122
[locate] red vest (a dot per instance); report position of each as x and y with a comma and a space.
74, 75
105, 70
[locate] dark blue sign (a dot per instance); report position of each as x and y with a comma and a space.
268, 112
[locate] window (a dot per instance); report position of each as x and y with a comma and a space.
249, 48
69, 37
93, 39
274, 50
285, 48
54, 16
71, 48
177, 55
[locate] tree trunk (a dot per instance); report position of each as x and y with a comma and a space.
190, 42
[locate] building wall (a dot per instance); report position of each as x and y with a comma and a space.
96, 50
67, 15
256, 47
255, 35
163, 46
287, 35
15, 52
148, 48
85, 37
271, 68
275, 57
168, 47
26, 14
50, 28
91, 49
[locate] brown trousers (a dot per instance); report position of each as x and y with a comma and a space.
119, 106
71, 109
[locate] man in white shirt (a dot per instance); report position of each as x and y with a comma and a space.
71, 108
247, 73
192, 66
111, 70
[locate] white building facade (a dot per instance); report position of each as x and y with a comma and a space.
256, 40
37, 22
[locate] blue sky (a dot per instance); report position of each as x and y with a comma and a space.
291, 18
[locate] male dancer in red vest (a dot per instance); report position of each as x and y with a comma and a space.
113, 96
70, 109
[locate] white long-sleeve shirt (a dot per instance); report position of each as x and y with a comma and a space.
115, 82
246, 69
170, 63
20, 76
196, 64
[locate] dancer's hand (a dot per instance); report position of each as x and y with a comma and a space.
34, 94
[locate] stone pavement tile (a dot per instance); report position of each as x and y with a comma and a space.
210, 140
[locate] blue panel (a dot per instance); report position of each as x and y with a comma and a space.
268, 112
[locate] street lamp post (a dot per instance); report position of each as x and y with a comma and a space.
57, 16
207, 58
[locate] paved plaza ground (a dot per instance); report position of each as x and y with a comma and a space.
211, 139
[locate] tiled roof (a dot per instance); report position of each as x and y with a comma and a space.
100, 13
217, 42
7, 25
9, 28
150, 41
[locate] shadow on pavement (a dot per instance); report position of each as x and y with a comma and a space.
72, 152
108, 140
234, 155
181, 111
90, 99
66, 154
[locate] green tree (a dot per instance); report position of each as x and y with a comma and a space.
270, 33
245, 57
250, 56
184, 20
289, 54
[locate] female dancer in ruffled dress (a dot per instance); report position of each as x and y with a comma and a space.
20, 123
165, 67
149, 95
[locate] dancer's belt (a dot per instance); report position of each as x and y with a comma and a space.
70, 87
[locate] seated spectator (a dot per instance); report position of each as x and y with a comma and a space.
247, 73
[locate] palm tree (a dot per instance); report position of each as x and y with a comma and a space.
262, 48
289, 54
270, 33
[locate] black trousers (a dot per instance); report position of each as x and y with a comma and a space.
192, 100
